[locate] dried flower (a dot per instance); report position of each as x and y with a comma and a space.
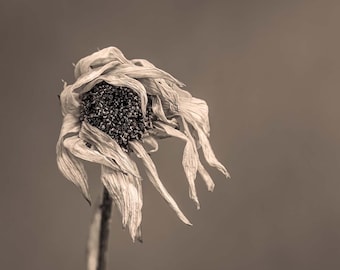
117, 107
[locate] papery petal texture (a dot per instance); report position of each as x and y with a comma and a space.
164, 110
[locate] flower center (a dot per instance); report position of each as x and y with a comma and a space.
116, 111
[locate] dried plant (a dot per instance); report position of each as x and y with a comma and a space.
119, 107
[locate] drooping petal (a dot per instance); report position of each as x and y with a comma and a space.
160, 88
209, 153
68, 100
202, 171
157, 109
195, 111
206, 177
78, 148
127, 195
135, 191
114, 183
108, 147
152, 174
70, 125
190, 159
74, 171
70, 166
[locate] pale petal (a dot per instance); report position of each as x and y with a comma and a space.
70, 125
73, 170
208, 152
195, 111
181, 92
150, 86
139, 72
95, 73
68, 100
127, 195
206, 177
152, 174
190, 159
135, 191
168, 93
100, 58
157, 109
146, 63
151, 142
142, 63
69, 97
108, 147
160, 88
77, 147
70, 166
114, 182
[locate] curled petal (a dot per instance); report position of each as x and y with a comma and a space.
69, 101
181, 92
209, 153
161, 89
157, 109
88, 77
70, 125
69, 98
127, 195
70, 166
168, 96
114, 183
195, 111
108, 147
139, 72
77, 147
150, 86
158, 86
142, 63
146, 63
97, 59
152, 142
154, 178
190, 159
206, 177
73, 170
136, 197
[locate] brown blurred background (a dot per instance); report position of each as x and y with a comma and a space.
269, 71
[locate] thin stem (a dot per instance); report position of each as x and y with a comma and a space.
104, 232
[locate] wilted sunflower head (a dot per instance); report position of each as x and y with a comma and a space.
117, 107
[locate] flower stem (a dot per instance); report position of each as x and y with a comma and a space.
104, 232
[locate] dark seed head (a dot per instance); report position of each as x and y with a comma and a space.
116, 111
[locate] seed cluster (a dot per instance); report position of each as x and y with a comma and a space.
116, 111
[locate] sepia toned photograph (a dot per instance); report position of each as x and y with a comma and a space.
170, 134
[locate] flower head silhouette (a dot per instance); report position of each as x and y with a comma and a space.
117, 107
